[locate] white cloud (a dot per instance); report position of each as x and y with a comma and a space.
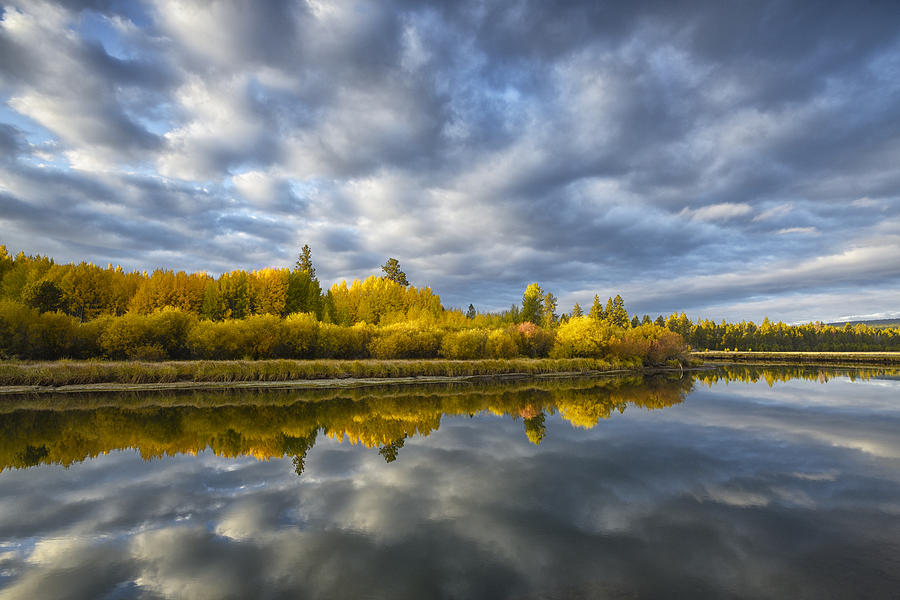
717, 212
801, 230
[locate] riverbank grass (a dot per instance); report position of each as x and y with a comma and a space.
68, 372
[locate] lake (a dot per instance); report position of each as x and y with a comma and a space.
740, 483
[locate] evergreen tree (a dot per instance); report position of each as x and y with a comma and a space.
597, 313
392, 271
304, 262
470, 314
618, 316
646, 320
635, 322
45, 296
532, 304
303, 294
576, 310
512, 315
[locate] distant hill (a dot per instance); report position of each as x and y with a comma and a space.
875, 323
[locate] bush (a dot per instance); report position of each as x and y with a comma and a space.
467, 344
583, 337
334, 341
260, 336
15, 321
299, 334
133, 335
657, 344
405, 340
532, 340
501, 344
216, 340
51, 336
26, 333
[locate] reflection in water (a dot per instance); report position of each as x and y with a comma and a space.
274, 424
737, 491
772, 374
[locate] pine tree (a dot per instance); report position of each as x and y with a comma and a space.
618, 316
304, 262
597, 313
576, 310
393, 272
470, 314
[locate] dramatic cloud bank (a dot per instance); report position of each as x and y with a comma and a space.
730, 160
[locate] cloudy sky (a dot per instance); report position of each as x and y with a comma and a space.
730, 160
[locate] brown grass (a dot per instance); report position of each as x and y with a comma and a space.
68, 372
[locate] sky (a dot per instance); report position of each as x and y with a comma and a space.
731, 159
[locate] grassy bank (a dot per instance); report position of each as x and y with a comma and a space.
806, 358
59, 373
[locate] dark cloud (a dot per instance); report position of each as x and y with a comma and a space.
11, 141
593, 148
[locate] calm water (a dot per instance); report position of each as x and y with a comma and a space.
746, 484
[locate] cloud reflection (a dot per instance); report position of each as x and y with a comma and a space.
724, 495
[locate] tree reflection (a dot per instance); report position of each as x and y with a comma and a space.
282, 423
772, 374
389, 451
535, 428
298, 446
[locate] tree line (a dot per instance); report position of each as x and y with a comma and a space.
705, 334
50, 310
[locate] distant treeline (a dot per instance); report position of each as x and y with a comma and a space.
705, 334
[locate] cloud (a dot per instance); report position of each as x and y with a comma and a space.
590, 148
801, 230
717, 212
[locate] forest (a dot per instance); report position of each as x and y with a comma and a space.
50, 311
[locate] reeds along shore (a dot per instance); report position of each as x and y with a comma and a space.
66, 372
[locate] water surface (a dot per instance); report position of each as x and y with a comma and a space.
744, 483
